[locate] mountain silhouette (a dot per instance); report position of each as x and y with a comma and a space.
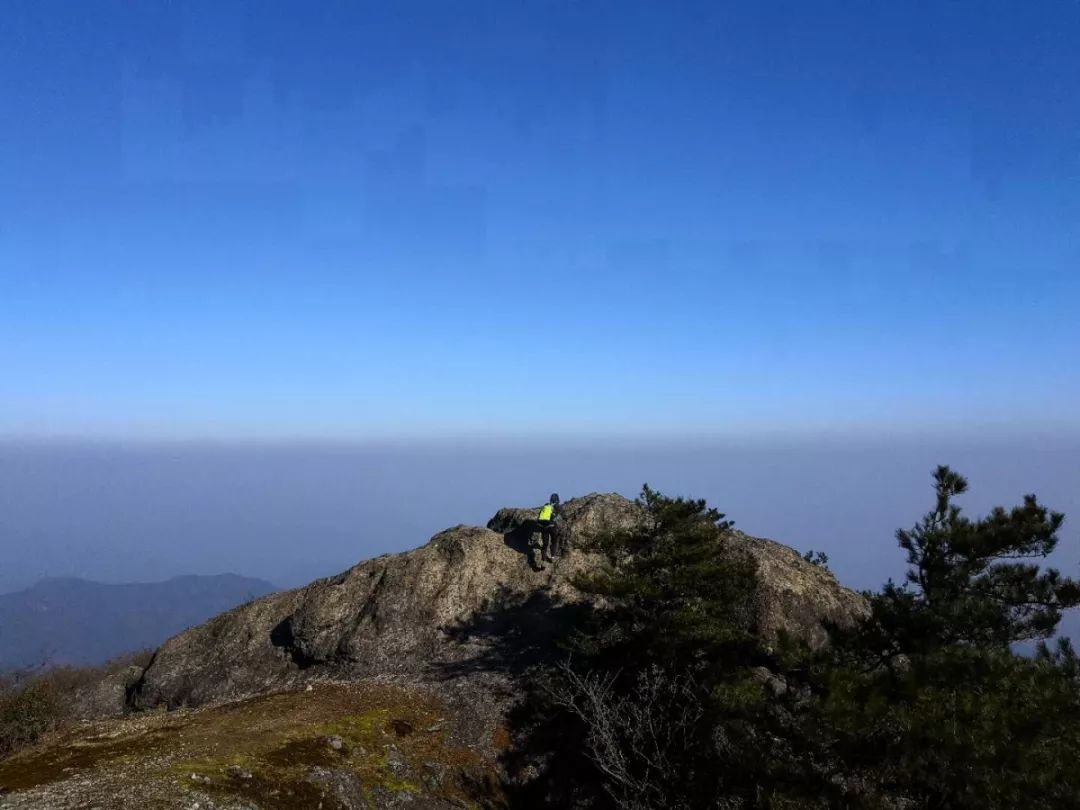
76, 621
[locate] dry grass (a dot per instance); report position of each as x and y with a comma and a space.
265, 750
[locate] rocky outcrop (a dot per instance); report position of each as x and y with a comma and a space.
389, 685
583, 516
435, 612
796, 596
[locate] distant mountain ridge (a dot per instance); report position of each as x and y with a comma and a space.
67, 620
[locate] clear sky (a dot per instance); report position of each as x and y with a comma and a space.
353, 219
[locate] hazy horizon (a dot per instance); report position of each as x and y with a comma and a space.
288, 512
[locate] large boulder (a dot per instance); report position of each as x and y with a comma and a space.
582, 516
795, 596
443, 609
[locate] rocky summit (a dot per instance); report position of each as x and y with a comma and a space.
385, 686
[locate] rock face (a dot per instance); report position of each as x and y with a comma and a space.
795, 596
108, 696
431, 611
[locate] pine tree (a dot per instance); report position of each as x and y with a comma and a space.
675, 703
927, 701
676, 591
669, 677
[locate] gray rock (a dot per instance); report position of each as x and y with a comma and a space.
583, 516
419, 613
795, 596
106, 697
343, 786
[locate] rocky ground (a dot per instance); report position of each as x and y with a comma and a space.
330, 745
384, 686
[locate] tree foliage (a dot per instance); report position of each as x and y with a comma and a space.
676, 590
927, 699
669, 677
978, 581
924, 704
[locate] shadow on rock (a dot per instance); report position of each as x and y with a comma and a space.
283, 637
512, 637
518, 537
544, 762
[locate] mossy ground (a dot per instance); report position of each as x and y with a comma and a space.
264, 751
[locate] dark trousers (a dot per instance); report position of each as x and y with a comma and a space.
549, 538
544, 541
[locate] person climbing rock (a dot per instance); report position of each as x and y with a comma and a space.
547, 536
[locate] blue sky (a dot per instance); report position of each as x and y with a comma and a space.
344, 219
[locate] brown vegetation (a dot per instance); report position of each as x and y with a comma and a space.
33, 702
